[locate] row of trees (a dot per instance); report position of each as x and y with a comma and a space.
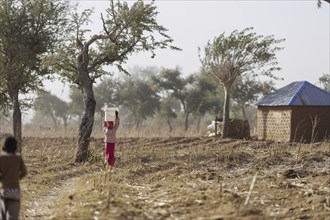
151, 92
142, 97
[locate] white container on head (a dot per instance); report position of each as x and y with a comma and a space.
110, 114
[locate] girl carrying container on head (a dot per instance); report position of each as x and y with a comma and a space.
110, 129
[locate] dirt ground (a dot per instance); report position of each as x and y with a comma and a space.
177, 178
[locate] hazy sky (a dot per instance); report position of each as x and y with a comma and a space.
191, 24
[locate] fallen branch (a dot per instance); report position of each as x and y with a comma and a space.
326, 207
251, 188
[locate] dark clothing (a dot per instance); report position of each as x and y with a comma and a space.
12, 169
10, 209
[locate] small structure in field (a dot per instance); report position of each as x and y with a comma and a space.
238, 128
298, 112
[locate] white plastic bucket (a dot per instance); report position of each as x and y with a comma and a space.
110, 114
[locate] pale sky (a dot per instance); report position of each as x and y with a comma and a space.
192, 24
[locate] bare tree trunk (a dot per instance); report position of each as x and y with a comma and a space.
87, 120
65, 125
243, 111
225, 125
185, 110
186, 122
199, 116
54, 121
17, 120
169, 124
17, 114
137, 122
199, 123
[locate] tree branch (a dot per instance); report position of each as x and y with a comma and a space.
66, 67
88, 43
104, 27
108, 59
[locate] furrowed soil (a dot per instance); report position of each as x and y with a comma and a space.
177, 178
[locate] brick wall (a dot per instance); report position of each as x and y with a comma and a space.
305, 118
274, 123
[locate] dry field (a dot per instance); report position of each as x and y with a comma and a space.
177, 178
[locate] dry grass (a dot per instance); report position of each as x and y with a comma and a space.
179, 178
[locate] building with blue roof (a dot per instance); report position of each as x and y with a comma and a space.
299, 111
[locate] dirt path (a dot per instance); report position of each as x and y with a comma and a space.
43, 207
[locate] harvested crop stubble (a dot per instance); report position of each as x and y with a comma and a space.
181, 178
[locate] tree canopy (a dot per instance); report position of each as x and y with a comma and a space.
247, 90
241, 52
325, 81
140, 97
53, 107
29, 31
126, 30
319, 3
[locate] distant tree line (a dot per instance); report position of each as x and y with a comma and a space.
152, 92
143, 96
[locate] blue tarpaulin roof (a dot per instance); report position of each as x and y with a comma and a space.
297, 93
